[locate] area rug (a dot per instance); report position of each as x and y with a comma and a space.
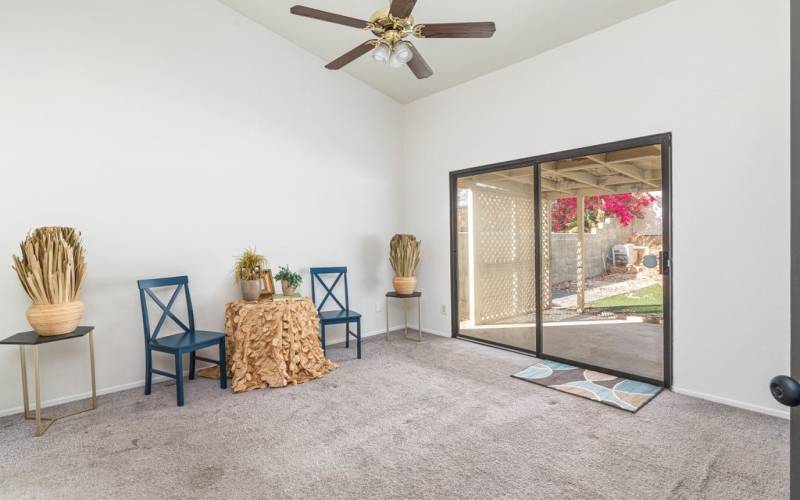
626, 394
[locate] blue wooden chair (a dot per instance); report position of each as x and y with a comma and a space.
343, 315
190, 340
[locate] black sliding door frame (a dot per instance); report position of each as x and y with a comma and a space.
665, 141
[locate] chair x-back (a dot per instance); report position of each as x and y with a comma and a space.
189, 341
342, 315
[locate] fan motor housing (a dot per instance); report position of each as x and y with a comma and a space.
390, 29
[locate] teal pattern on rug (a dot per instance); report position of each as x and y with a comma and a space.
623, 393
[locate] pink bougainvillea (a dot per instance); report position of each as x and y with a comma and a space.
623, 207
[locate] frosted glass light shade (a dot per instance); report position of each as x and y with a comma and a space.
395, 61
381, 53
403, 51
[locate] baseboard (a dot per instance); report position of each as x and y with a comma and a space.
339, 339
85, 395
732, 402
436, 332
158, 378
140, 383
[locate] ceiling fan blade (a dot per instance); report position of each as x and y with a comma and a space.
402, 8
418, 65
351, 56
300, 10
456, 30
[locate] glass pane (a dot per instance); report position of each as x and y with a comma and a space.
495, 257
601, 230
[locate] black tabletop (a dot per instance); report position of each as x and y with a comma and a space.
403, 295
33, 338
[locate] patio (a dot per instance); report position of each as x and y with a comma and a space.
597, 307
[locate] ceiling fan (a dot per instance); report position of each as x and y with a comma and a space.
391, 26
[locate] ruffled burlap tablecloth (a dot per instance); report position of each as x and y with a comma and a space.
272, 344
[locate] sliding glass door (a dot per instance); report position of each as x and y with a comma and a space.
603, 233
566, 256
495, 262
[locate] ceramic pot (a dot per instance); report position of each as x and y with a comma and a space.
287, 290
251, 289
404, 285
55, 319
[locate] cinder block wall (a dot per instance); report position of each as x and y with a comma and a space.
563, 259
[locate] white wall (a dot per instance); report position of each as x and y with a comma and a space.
713, 72
174, 133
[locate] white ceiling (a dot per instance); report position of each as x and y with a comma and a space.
525, 28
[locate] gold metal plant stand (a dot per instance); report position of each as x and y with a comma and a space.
396, 295
32, 340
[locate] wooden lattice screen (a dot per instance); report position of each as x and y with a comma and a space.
504, 255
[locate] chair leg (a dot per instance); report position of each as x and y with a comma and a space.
324, 349
179, 376
347, 335
358, 337
192, 362
148, 371
223, 366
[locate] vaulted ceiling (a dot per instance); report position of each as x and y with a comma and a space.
525, 28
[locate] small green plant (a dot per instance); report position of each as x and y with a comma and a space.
292, 279
404, 254
249, 266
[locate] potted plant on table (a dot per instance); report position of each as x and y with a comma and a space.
289, 280
248, 269
404, 255
51, 271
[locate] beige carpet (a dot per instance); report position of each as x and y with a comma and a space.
441, 419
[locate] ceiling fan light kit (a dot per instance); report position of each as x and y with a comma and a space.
391, 25
401, 54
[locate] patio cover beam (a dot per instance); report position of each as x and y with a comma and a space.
627, 169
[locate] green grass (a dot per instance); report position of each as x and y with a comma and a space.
648, 300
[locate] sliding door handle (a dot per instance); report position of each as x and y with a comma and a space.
664, 263
785, 390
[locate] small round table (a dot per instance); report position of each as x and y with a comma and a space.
395, 295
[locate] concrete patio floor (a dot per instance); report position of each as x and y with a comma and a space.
630, 346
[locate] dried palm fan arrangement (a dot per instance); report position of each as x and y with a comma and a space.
404, 255
51, 270
52, 265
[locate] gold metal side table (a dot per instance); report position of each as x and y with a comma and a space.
34, 340
418, 296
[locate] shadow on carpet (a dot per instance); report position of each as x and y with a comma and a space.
623, 393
